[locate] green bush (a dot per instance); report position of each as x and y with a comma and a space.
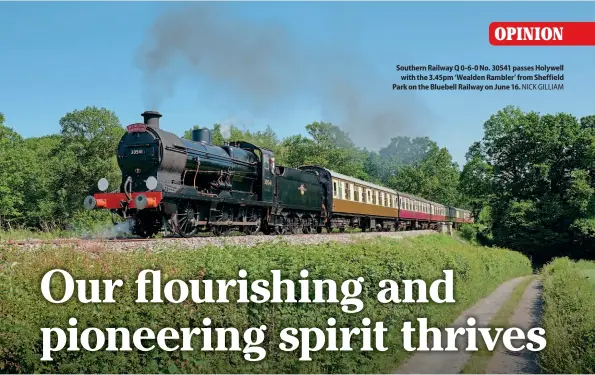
569, 317
469, 232
23, 310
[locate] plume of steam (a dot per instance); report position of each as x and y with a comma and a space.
261, 66
123, 229
226, 128
108, 231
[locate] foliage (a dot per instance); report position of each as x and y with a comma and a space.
44, 180
328, 146
469, 232
568, 317
536, 174
12, 174
23, 311
434, 177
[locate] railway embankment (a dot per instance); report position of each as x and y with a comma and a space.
477, 272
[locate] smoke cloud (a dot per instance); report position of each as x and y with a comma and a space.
268, 71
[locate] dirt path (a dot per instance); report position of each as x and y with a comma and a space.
526, 316
453, 362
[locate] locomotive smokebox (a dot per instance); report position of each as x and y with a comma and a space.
151, 118
202, 135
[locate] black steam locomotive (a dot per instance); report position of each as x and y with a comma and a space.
193, 185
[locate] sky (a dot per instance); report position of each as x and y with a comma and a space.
283, 64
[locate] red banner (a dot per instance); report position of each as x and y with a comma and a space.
542, 33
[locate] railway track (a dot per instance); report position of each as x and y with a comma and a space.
63, 241
197, 241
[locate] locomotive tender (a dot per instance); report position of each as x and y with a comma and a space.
193, 185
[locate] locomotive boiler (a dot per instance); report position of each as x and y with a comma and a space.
147, 151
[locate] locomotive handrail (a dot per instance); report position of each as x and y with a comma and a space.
196, 174
128, 183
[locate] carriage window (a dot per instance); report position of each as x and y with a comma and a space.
340, 190
380, 198
374, 198
347, 192
335, 188
356, 194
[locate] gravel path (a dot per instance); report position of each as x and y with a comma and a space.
526, 316
198, 242
453, 362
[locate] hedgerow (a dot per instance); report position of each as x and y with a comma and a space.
569, 317
24, 311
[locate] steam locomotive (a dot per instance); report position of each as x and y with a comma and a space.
193, 186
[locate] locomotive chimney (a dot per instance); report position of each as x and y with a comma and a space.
151, 118
202, 135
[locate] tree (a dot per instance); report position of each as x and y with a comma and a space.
434, 177
475, 179
536, 172
329, 147
12, 174
87, 153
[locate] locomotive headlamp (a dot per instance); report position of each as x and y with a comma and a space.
103, 184
140, 202
90, 202
151, 183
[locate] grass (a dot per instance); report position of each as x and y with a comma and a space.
91, 231
569, 317
478, 363
590, 274
23, 311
